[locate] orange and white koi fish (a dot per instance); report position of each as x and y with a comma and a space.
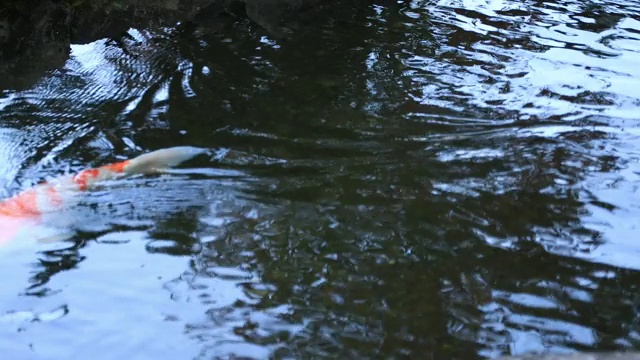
27, 207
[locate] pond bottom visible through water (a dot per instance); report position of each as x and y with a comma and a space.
432, 179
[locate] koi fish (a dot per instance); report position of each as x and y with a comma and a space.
20, 212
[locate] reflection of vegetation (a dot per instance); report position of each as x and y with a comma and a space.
53, 262
368, 253
378, 246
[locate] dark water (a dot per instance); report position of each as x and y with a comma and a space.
434, 180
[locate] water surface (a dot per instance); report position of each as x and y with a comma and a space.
432, 179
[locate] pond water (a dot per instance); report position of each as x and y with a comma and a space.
432, 179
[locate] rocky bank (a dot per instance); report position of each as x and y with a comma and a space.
35, 35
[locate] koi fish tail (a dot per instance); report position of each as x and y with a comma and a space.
53, 195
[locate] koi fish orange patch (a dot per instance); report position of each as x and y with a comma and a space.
27, 207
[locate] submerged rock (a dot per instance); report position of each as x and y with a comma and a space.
272, 14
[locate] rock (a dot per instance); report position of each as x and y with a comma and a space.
94, 20
35, 35
271, 14
30, 32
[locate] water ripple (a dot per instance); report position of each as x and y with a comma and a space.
454, 179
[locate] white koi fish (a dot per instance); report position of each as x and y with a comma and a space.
19, 213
